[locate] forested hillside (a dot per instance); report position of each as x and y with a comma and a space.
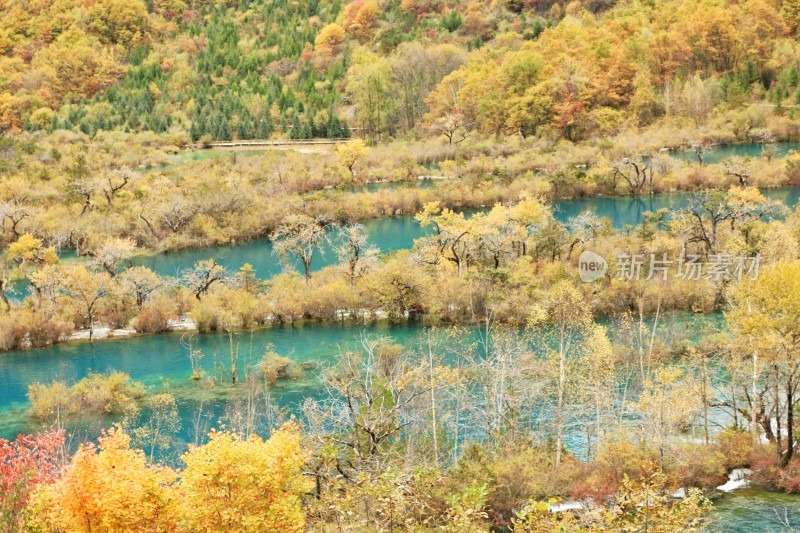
310, 68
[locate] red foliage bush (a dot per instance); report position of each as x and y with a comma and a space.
768, 473
154, 317
24, 463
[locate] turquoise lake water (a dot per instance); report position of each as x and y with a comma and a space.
716, 154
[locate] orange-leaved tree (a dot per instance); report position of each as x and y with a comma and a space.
109, 487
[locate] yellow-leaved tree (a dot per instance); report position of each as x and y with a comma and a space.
106, 488
233, 484
351, 154
229, 484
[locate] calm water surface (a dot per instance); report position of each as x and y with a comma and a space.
717, 154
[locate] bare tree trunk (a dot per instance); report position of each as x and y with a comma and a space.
562, 374
778, 446
433, 407
704, 375
755, 395
789, 422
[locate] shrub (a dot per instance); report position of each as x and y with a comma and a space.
8, 333
736, 447
698, 466
204, 314
768, 472
155, 316
514, 474
26, 462
112, 488
617, 458
231, 484
49, 401
276, 367
111, 393
28, 328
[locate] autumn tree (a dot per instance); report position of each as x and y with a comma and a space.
529, 103
636, 172
647, 506
113, 184
601, 377
111, 253
247, 484
12, 215
370, 86
141, 283
503, 385
354, 251
25, 463
300, 236
202, 276
154, 425
370, 394
87, 289
329, 39
415, 71
704, 217
765, 315
454, 238
108, 487
360, 18
790, 12
351, 154
583, 228
566, 312
668, 402
502, 232
21, 256
28, 250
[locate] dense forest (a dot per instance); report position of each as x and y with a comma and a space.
385, 318
251, 70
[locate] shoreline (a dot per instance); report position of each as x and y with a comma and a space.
104, 333
148, 253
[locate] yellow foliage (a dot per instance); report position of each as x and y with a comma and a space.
110, 490
229, 484
350, 154
329, 39
232, 484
